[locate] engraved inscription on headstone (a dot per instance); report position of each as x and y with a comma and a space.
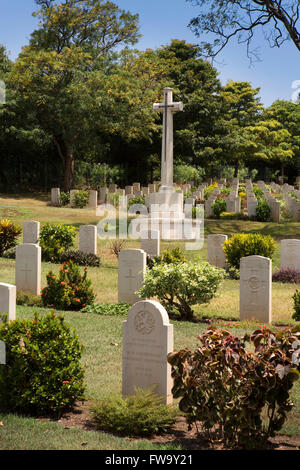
147, 340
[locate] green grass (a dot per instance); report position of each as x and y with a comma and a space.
102, 335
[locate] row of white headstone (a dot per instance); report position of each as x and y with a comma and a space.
87, 236
289, 252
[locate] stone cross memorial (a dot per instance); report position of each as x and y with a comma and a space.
256, 288
132, 268
168, 108
147, 340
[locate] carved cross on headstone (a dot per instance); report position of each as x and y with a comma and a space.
168, 108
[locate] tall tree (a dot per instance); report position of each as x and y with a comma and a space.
242, 109
222, 20
64, 54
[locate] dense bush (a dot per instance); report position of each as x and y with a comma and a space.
80, 258
296, 299
291, 276
234, 216
81, 199
43, 374
241, 245
219, 206
168, 256
228, 389
179, 286
29, 299
64, 198
141, 414
70, 290
258, 192
107, 308
9, 233
136, 200
55, 239
263, 211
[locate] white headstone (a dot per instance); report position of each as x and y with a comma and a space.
55, 196
147, 340
132, 268
150, 242
215, 253
256, 289
88, 239
8, 301
28, 268
103, 194
290, 254
31, 231
93, 199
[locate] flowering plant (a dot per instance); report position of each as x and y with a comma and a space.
70, 290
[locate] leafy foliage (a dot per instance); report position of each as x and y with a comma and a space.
142, 414
263, 210
80, 258
296, 299
107, 308
55, 239
222, 385
291, 276
219, 206
9, 233
70, 290
247, 244
43, 374
168, 256
179, 286
29, 299
81, 198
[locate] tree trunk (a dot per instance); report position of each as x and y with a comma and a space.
282, 170
236, 168
69, 170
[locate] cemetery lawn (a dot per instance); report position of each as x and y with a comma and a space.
102, 335
102, 359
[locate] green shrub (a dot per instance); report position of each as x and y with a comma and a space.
136, 200
233, 216
197, 212
263, 211
29, 299
296, 299
64, 199
259, 194
70, 290
243, 244
179, 286
43, 374
55, 239
81, 258
107, 308
81, 198
142, 414
168, 256
228, 389
219, 206
9, 233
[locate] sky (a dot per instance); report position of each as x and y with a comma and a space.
163, 20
